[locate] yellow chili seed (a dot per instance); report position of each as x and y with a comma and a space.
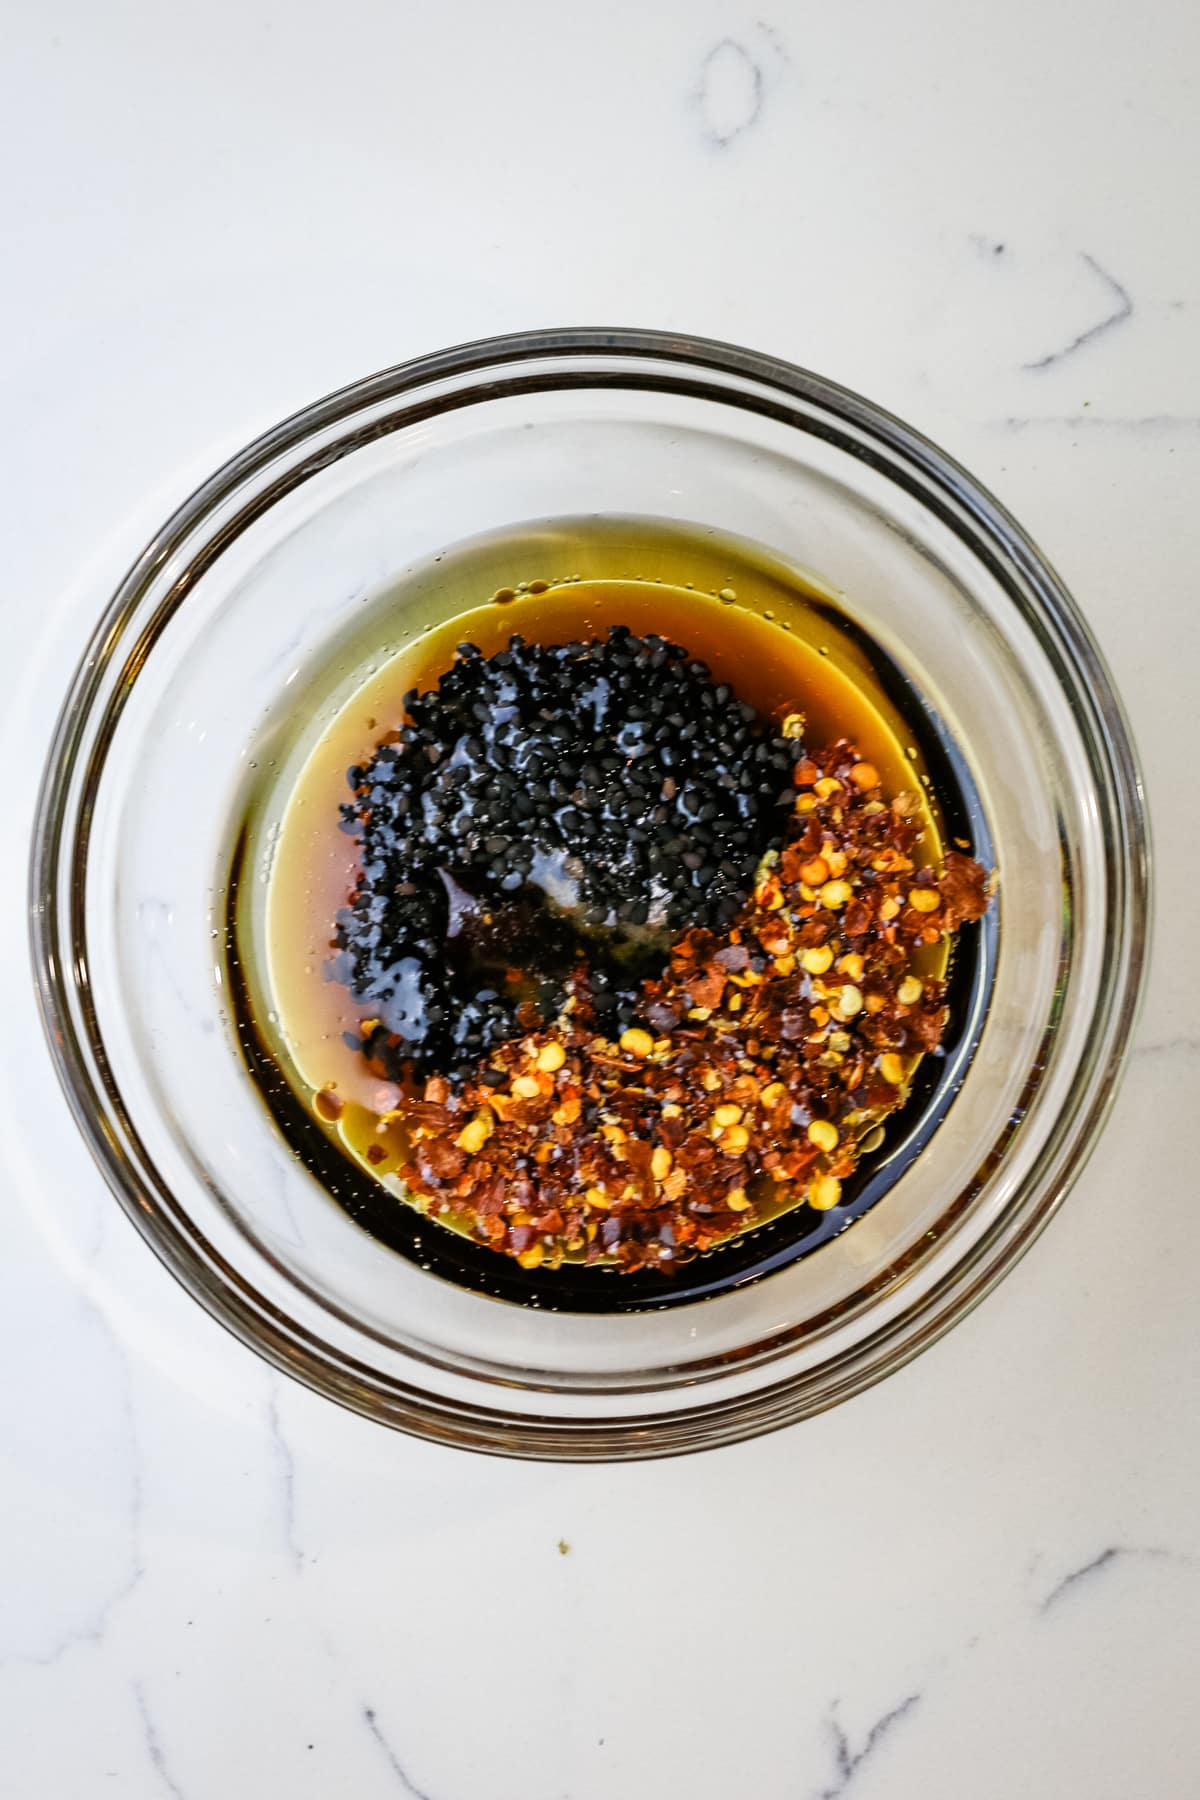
529, 1259
597, 1197
825, 1193
815, 872
851, 965
637, 1042
805, 803
736, 1200
910, 991
875, 1003
671, 1111
735, 1139
864, 775
849, 1003
729, 1114
786, 964
890, 907
525, 1087
793, 725
835, 861
710, 1081
550, 1058
891, 1067
824, 1134
924, 899
835, 894
772, 1095
660, 1162
827, 785
817, 960
475, 1134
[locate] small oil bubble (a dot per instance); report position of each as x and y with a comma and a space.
728, 595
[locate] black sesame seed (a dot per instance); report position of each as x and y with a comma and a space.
619, 761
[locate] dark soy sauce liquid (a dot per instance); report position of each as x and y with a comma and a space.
781, 642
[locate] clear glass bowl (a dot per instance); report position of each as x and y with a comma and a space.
240, 596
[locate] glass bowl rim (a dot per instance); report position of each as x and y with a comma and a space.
59, 947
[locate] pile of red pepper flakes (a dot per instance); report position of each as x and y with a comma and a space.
769, 1053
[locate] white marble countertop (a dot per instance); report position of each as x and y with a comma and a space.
983, 1577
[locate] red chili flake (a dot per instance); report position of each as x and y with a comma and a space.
439, 1160
706, 989
733, 959
963, 888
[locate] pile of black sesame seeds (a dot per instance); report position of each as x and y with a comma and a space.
547, 807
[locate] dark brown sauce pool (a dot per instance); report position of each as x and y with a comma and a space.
782, 644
